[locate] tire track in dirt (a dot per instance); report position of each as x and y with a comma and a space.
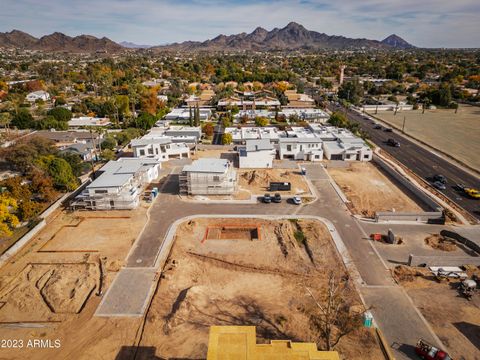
245, 268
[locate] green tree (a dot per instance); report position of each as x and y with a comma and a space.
227, 139
23, 120
339, 120
261, 121
60, 172
352, 91
109, 143
60, 114
108, 155
145, 121
50, 123
76, 163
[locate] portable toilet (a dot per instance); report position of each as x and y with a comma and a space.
367, 319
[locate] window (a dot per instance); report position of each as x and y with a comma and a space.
112, 203
150, 151
289, 147
101, 191
156, 151
301, 147
142, 152
317, 156
216, 178
366, 156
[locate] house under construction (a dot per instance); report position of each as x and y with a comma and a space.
208, 177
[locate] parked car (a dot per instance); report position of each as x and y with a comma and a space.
296, 200
388, 130
377, 126
393, 142
439, 185
440, 178
267, 199
277, 198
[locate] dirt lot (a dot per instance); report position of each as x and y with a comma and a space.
51, 289
455, 320
227, 272
454, 134
369, 190
257, 181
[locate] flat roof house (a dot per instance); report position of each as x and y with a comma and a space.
161, 148
119, 185
84, 121
300, 148
208, 176
182, 115
256, 154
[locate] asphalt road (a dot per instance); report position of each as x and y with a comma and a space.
423, 162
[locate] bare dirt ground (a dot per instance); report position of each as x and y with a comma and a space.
214, 153
437, 241
257, 181
245, 272
455, 134
454, 319
370, 191
52, 287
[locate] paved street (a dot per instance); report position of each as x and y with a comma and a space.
392, 308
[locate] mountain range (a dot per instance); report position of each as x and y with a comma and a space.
58, 42
291, 37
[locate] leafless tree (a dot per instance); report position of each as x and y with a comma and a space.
334, 319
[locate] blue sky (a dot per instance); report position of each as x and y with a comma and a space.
428, 23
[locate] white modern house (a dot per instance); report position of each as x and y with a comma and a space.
208, 176
242, 134
38, 95
256, 154
87, 121
119, 185
182, 115
178, 133
300, 148
161, 148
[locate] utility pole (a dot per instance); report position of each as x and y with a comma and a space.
403, 126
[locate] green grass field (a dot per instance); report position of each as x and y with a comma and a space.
457, 135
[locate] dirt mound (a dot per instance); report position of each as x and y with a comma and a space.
405, 273
257, 178
439, 242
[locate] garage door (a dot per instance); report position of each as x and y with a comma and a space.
336, 157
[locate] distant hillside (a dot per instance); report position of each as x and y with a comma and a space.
58, 42
131, 45
397, 42
292, 37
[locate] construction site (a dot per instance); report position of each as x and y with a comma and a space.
52, 287
257, 181
369, 190
257, 272
440, 297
